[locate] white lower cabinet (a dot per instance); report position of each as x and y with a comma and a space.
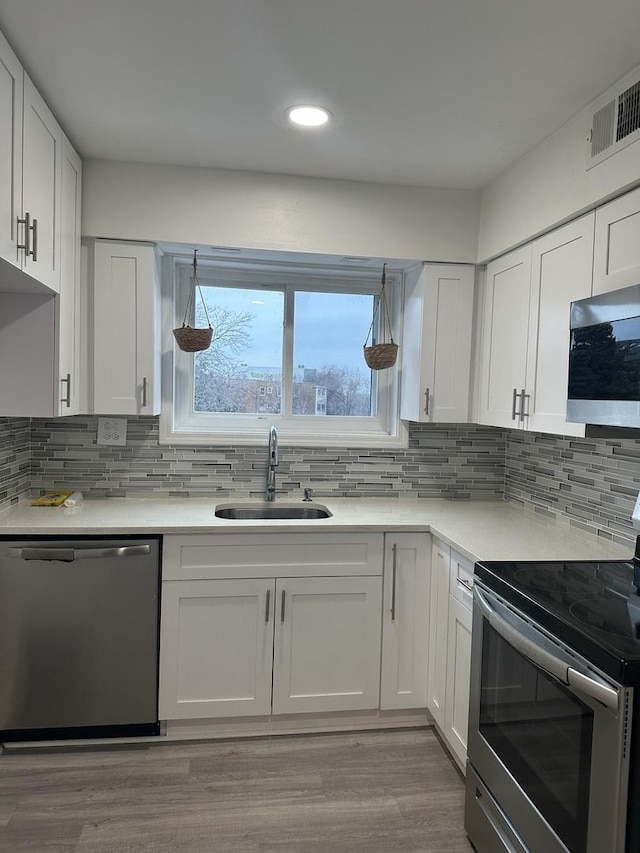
456, 718
217, 648
438, 630
450, 646
326, 654
405, 621
235, 646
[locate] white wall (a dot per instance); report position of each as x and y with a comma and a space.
264, 211
550, 185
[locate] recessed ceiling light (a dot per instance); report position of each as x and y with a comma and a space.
308, 116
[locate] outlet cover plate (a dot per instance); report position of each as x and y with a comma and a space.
112, 431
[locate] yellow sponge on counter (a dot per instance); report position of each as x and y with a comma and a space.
52, 498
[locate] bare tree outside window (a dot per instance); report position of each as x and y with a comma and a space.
241, 372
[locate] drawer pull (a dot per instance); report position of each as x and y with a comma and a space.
466, 584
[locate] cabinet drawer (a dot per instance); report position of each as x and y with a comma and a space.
203, 556
461, 579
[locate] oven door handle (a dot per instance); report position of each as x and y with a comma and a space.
545, 660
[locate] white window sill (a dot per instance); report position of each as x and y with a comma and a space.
257, 437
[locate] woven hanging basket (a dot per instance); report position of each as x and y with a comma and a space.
382, 355
193, 340
188, 338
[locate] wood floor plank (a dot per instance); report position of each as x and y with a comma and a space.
379, 792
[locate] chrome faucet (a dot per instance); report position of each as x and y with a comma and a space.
270, 491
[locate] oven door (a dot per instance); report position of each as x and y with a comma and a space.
548, 739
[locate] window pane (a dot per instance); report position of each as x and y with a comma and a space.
330, 376
242, 369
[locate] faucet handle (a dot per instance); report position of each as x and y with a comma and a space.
308, 494
273, 446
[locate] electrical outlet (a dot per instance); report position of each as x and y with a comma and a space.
112, 431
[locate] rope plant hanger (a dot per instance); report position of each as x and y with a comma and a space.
188, 338
381, 355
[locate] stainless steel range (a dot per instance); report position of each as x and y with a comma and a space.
554, 723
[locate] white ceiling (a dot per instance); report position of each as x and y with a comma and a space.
442, 93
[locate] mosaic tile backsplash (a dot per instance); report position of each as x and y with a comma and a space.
15, 460
593, 483
441, 461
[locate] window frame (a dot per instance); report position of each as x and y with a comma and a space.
179, 426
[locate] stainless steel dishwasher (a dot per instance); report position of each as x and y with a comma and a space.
78, 637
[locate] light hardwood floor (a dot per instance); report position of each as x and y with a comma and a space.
372, 792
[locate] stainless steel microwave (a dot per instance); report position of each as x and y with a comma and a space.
604, 359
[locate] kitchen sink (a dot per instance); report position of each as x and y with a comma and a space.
266, 511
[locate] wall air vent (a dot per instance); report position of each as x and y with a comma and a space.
615, 120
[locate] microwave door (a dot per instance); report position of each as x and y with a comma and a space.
604, 359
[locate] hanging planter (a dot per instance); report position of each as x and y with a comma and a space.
382, 355
188, 338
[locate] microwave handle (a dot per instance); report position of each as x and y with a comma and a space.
546, 661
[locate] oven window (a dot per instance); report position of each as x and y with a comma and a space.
542, 733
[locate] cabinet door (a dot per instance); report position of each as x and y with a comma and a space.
504, 338
436, 344
616, 259
438, 628
41, 167
405, 621
561, 273
458, 674
327, 644
69, 325
125, 327
216, 647
11, 86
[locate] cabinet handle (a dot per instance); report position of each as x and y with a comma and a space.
514, 414
393, 582
267, 608
466, 584
427, 397
282, 606
144, 392
26, 222
67, 397
34, 244
523, 397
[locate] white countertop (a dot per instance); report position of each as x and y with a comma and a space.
492, 530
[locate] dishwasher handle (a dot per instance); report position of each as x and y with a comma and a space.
69, 555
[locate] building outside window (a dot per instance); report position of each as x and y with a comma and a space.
287, 348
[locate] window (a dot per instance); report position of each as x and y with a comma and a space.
287, 350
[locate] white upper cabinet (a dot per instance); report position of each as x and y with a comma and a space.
436, 344
11, 83
616, 260
126, 345
505, 323
69, 324
40, 330
41, 170
525, 332
561, 273
30, 173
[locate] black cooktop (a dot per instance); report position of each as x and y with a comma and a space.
593, 607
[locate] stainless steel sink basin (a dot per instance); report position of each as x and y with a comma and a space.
266, 511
